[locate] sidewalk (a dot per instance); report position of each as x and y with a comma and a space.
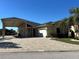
35, 44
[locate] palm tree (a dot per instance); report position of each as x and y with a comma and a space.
63, 25
74, 11
71, 21
75, 14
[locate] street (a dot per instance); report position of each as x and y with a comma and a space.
40, 55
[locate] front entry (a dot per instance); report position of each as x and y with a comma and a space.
34, 32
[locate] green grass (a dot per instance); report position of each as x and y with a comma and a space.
68, 40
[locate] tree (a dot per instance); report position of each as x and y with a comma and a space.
63, 23
71, 21
64, 27
74, 11
75, 15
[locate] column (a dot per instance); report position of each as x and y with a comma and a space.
3, 30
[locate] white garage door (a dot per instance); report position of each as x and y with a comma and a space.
43, 32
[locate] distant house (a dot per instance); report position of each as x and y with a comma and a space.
8, 32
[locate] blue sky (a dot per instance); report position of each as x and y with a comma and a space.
40, 11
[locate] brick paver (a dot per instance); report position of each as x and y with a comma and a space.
38, 44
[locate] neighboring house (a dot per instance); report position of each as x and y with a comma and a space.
8, 32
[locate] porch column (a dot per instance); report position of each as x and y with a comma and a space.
3, 30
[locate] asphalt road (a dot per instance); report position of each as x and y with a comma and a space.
40, 55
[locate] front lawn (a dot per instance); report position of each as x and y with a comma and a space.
68, 40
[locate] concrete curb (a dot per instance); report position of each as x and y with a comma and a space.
39, 51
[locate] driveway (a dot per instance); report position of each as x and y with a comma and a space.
11, 44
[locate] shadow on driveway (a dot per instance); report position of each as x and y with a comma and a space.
8, 45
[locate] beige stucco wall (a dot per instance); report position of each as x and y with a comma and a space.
51, 30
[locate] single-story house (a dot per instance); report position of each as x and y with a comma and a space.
26, 28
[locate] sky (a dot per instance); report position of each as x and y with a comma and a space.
40, 11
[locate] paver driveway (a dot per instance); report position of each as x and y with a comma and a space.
35, 44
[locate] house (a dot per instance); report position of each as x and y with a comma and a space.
32, 29
25, 28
